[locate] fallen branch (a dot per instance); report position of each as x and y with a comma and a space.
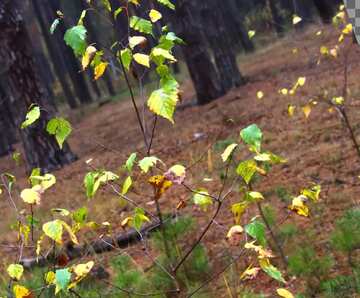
105, 244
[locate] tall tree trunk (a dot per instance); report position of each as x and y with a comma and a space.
325, 9
213, 20
55, 56
235, 25
278, 21
76, 75
202, 71
95, 38
41, 149
7, 129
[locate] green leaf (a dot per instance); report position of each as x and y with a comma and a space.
15, 271
142, 59
139, 218
107, 4
159, 55
141, 25
54, 230
246, 170
62, 279
272, 271
89, 182
80, 215
117, 12
54, 25
130, 162
202, 199
256, 229
82, 17
313, 193
254, 196
163, 101
93, 180
148, 162
32, 115
75, 38
59, 127
167, 3
126, 57
252, 136
126, 186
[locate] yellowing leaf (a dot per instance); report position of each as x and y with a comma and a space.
284, 91
238, 210
148, 162
15, 271
83, 269
306, 110
154, 15
54, 230
126, 186
176, 174
284, 293
338, 100
100, 70
348, 29
70, 232
228, 151
30, 196
318, 33
136, 40
298, 206
202, 199
262, 253
88, 56
142, 59
160, 184
156, 52
21, 292
250, 273
324, 51
251, 33
301, 81
260, 94
237, 229
291, 110
50, 277
334, 52
296, 19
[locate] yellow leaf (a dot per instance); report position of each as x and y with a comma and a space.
291, 110
160, 184
70, 232
260, 94
341, 38
127, 222
15, 271
83, 269
30, 196
234, 230
324, 50
228, 151
295, 51
318, 33
262, 253
298, 206
100, 70
348, 29
54, 229
142, 59
178, 170
21, 292
50, 277
250, 273
251, 33
284, 293
334, 52
339, 100
88, 56
136, 40
306, 110
238, 210
296, 19
301, 81
176, 174
284, 91
154, 15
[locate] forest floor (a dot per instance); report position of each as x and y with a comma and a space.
318, 149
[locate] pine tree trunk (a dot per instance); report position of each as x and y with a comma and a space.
40, 149
76, 75
202, 71
325, 9
218, 38
278, 22
55, 56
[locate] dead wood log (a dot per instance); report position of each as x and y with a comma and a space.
104, 244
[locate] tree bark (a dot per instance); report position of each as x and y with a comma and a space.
202, 71
278, 21
218, 38
40, 149
55, 56
76, 75
325, 9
